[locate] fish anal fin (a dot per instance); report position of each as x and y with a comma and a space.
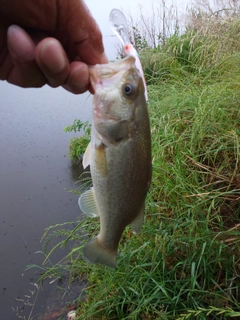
95, 252
87, 203
136, 224
87, 156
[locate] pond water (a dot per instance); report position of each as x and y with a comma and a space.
34, 173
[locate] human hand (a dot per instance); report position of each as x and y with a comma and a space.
48, 42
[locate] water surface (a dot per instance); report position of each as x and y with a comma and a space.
34, 172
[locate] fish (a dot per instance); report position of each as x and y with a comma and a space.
119, 155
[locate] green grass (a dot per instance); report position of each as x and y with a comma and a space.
185, 264
77, 146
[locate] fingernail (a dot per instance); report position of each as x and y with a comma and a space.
20, 43
52, 56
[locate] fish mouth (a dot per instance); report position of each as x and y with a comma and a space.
103, 73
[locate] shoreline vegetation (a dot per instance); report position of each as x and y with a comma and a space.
185, 264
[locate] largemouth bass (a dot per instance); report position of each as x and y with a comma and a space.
119, 155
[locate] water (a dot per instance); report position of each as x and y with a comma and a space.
34, 172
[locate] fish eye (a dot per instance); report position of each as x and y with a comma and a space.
128, 89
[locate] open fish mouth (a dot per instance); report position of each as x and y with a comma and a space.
100, 74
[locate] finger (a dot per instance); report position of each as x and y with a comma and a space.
78, 25
88, 54
52, 60
22, 69
78, 80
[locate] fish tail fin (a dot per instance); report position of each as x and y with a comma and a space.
95, 252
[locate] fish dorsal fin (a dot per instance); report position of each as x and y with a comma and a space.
87, 203
136, 225
87, 156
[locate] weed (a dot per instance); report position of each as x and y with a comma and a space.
77, 146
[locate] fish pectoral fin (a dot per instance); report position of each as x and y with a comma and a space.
87, 156
87, 203
136, 225
95, 252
